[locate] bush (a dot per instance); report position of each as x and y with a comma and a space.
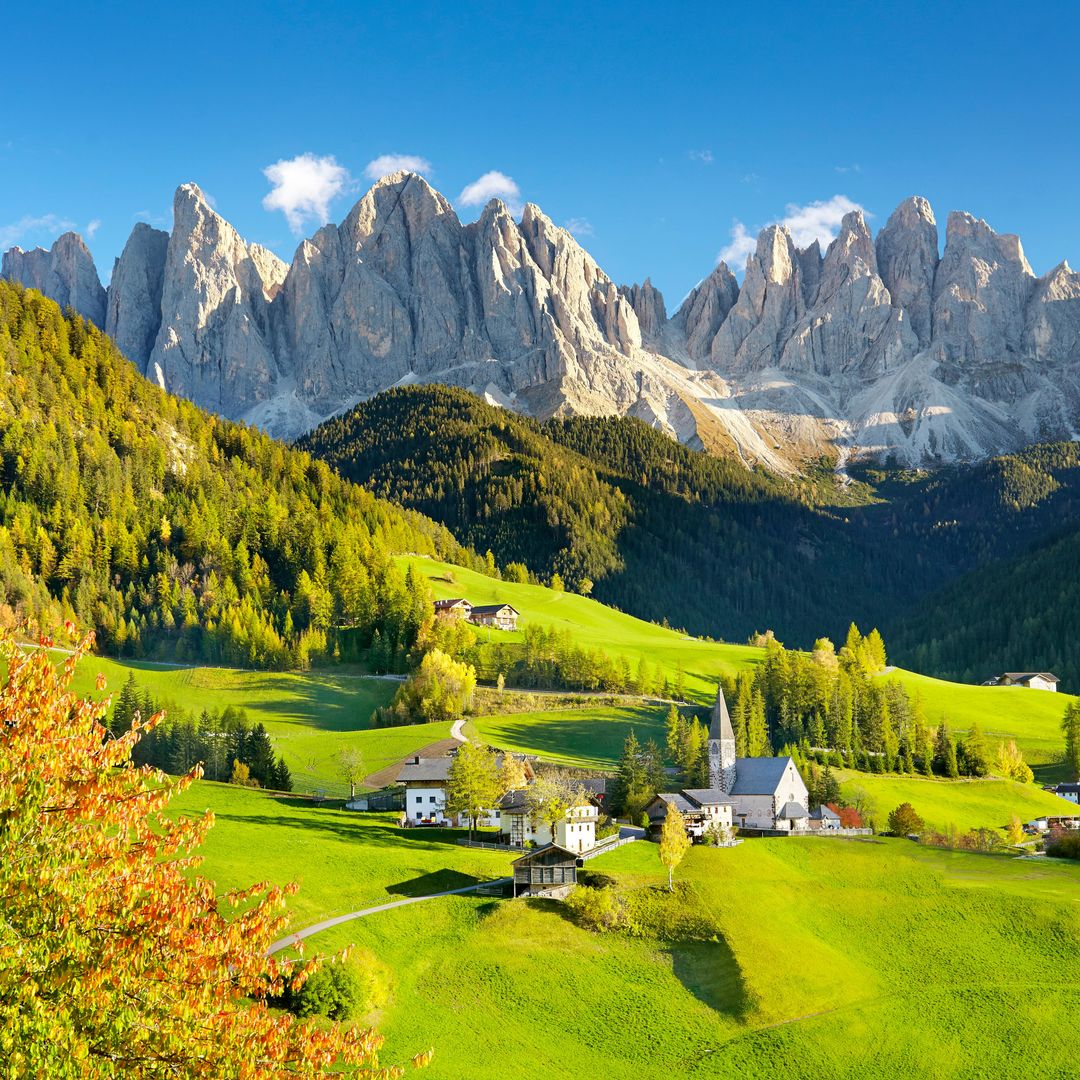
594, 879
335, 990
1064, 844
904, 820
596, 909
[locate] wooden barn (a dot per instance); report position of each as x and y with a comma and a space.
549, 871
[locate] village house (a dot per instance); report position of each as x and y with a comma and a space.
700, 807
500, 616
549, 871
575, 832
824, 819
1033, 680
1068, 791
425, 781
765, 792
458, 608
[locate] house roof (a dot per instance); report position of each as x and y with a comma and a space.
793, 810
758, 775
676, 799
544, 852
1067, 787
596, 785
1017, 676
493, 609
823, 813
420, 769
451, 603
707, 796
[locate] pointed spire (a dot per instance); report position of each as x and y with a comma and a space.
720, 727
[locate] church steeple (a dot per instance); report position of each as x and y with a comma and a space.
721, 746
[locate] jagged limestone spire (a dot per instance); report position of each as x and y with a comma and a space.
721, 746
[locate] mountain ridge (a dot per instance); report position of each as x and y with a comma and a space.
878, 347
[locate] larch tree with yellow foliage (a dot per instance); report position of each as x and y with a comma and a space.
114, 961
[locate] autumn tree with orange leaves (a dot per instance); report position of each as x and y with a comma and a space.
113, 961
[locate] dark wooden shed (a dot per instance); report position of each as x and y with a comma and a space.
549, 870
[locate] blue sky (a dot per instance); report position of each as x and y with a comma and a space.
654, 130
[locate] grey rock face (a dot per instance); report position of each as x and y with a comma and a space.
876, 348
981, 291
703, 312
214, 344
133, 316
907, 256
65, 273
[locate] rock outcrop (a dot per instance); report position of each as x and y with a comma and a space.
133, 316
877, 347
65, 273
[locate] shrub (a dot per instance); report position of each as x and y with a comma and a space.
596, 909
335, 991
905, 820
1064, 844
594, 879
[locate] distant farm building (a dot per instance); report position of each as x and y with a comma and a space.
501, 616
1068, 791
1033, 680
519, 826
458, 608
701, 808
425, 781
548, 871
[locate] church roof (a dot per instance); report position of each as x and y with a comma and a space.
707, 796
720, 728
758, 775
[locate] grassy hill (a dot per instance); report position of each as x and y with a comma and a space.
806, 957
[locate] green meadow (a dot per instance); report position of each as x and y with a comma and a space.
801, 958
966, 804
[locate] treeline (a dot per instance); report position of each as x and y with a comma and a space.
833, 706
666, 532
227, 745
173, 532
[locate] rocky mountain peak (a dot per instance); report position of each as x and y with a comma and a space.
65, 272
907, 256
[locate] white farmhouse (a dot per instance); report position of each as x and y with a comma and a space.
425, 781
1033, 680
701, 808
575, 832
765, 792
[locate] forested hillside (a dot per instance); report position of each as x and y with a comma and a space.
668, 533
170, 531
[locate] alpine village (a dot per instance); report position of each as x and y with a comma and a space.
424, 652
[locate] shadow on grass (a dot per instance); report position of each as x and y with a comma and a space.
435, 882
709, 970
599, 741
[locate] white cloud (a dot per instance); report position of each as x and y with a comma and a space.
47, 226
704, 156
818, 220
579, 226
304, 187
741, 245
492, 185
856, 168
385, 164
93, 228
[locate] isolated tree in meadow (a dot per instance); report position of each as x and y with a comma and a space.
441, 689
1010, 763
905, 820
945, 763
1014, 831
350, 761
472, 782
114, 960
674, 843
1070, 726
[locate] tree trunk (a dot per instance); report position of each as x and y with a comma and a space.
671, 878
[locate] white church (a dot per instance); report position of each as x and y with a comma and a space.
764, 792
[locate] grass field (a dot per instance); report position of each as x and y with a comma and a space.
967, 804
802, 959
310, 715
341, 859
589, 737
1032, 717
595, 626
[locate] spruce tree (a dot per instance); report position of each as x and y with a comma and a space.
1070, 726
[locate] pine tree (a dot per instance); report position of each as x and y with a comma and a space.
945, 753
757, 736
1070, 726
